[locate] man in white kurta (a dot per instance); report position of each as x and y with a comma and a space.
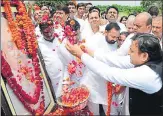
112, 58
67, 58
147, 67
96, 40
112, 16
48, 46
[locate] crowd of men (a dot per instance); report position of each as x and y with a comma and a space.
126, 52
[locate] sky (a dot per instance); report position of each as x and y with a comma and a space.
124, 3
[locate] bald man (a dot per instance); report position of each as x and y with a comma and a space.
142, 24
130, 24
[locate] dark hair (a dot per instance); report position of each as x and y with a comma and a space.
150, 44
134, 14
112, 25
74, 24
80, 5
44, 5
45, 24
94, 7
112, 7
124, 33
64, 8
71, 3
103, 12
93, 10
88, 4
153, 10
123, 18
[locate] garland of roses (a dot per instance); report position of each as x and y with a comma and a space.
32, 47
109, 91
19, 92
64, 112
70, 33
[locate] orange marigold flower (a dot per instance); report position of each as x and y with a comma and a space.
72, 22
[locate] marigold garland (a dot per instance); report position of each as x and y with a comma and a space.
13, 27
23, 25
28, 29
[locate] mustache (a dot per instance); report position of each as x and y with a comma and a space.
112, 16
110, 41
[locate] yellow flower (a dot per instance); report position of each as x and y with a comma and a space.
72, 22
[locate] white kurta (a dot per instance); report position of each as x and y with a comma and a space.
37, 31
66, 57
126, 77
121, 25
161, 43
53, 64
122, 51
81, 22
96, 85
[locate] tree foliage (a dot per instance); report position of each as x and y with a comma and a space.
125, 9
147, 3
51, 3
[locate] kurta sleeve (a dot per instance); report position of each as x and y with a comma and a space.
122, 51
142, 78
115, 60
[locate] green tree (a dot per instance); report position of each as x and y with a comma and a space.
147, 3
51, 3
123, 9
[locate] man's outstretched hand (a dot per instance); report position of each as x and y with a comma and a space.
74, 49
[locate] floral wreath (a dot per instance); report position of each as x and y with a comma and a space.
23, 34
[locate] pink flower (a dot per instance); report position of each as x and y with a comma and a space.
55, 35
45, 17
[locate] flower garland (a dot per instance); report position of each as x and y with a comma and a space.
12, 2
116, 89
13, 27
109, 90
19, 92
27, 29
63, 112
